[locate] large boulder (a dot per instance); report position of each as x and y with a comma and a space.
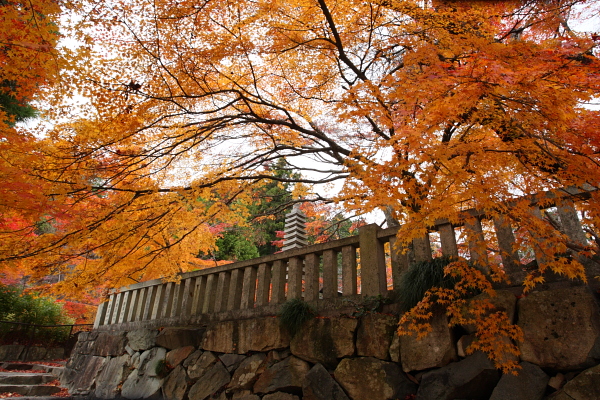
212, 381
145, 381
177, 356
198, 367
231, 361
585, 386
472, 378
247, 373
80, 376
258, 334
374, 335
174, 338
109, 344
324, 340
141, 339
434, 350
175, 384
11, 352
529, 384
287, 375
319, 385
108, 381
371, 378
504, 300
561, 328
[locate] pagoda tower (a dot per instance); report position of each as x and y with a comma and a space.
295, 229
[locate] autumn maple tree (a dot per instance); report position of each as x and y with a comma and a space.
422, 109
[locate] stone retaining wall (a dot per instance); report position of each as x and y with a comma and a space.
17, 352
346, 358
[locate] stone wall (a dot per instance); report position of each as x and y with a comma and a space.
17, 352
346, 358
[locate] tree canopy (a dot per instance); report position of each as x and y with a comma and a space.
421, 109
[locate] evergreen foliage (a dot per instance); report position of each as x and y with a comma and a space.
294, 313
422, 276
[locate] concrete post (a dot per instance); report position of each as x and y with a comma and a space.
198, 297
133, 303
124, 308
448, 239
422, 249
400, 262
506, 245
477, 244
222, 294
186, 302
116, 308
294, 278
349, 277
167, 302
157, 301
149, 303
264, 284
208, 305
100, 314
235, 289
278, 290
372, 262
249, 288
311, 277
330, 274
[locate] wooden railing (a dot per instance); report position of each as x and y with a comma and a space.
319, 272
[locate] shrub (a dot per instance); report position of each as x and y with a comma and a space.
294, 313
422, 276
29, 308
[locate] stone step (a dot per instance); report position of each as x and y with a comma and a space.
24, 378
44, 398
30, 390
56, 371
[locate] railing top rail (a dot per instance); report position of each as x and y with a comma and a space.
548, 198
312, 249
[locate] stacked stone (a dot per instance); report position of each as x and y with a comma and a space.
342, 358
295, 229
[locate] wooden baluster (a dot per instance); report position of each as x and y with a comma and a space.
222, 292
448, 239
311, 277
278, 289
372, 262
235, 289
249, 288
264, 284
330, 274
208, 305
349, 275
198, 297
294, 278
